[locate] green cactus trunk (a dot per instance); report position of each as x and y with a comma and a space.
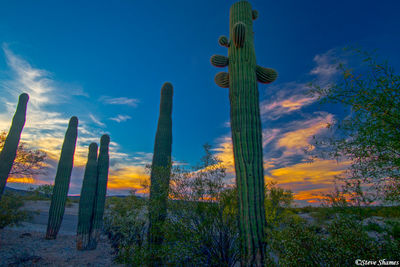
86, 200
102, 178
9, 151
160, 170
61, 183
246, 128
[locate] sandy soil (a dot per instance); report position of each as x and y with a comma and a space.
26, 245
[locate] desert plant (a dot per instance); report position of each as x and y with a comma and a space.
86, 201
9, 150
102, 177
125, 222
246, 127
27, 162
160, 168
10, 212
61, 183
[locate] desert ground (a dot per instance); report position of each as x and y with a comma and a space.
25, 245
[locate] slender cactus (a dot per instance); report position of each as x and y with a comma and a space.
102, 178
61, 183
246, 128
160, 169
86, 200
9, 151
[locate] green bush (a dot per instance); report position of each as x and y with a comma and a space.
339, 244
10, 212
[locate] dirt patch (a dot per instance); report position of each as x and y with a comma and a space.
19, 248
26, 245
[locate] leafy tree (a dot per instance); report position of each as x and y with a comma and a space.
28, 162
369, 136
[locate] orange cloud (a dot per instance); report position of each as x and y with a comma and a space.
302, 178
299, 138
225, 153
128, 177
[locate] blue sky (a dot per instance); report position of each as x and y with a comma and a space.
105, 62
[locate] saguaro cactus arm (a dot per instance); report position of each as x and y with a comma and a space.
223, 41
239, 34
265, 75
9, 151
222, 79
219, 61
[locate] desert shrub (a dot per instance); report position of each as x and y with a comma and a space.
373, 227
125, 222
348, 241
10, 212
339, 244
295, 244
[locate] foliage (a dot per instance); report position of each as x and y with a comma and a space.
42, 192
45, 189
369, 136
10, 212
342, 242
201, 225
28, 162
125, 221
277, 201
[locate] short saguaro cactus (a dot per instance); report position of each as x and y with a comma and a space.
61, 183
100, 199
241, 79
160, 171
9, 151
86, 200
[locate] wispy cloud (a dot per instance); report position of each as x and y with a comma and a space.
133, 102
121, 118
303, 131
289, 97
47, 121
326, 65
95, 120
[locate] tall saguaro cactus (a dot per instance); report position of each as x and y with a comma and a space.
246, 127
161, 168
61, 183
7, 155
86, 201
102, 178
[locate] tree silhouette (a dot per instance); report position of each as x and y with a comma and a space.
28, 162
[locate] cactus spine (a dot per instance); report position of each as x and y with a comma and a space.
86, 200
246, 129
9, 151
102, 177
61, 183
161, 168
